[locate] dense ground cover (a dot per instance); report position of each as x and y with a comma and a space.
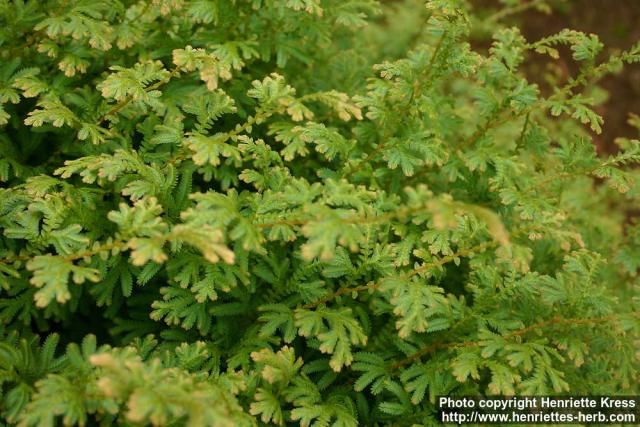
314, 212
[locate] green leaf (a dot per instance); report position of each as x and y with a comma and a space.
51, 276
209, 149
336, 330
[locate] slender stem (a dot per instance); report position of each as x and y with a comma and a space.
251, 120
338, 293
115, 244
555, 321
564, 175
524, 128
375, 285
479, 248
492, 123
355, 219
260, 114
581, 79
415, 93
503, 13
400, 213
122, 104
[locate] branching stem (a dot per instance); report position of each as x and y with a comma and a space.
555, 321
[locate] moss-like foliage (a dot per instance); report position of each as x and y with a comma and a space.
313, 212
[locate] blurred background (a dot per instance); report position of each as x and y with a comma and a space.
617, 23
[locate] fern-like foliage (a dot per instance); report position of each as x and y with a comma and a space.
313, 212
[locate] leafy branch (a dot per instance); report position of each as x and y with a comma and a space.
556, 321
